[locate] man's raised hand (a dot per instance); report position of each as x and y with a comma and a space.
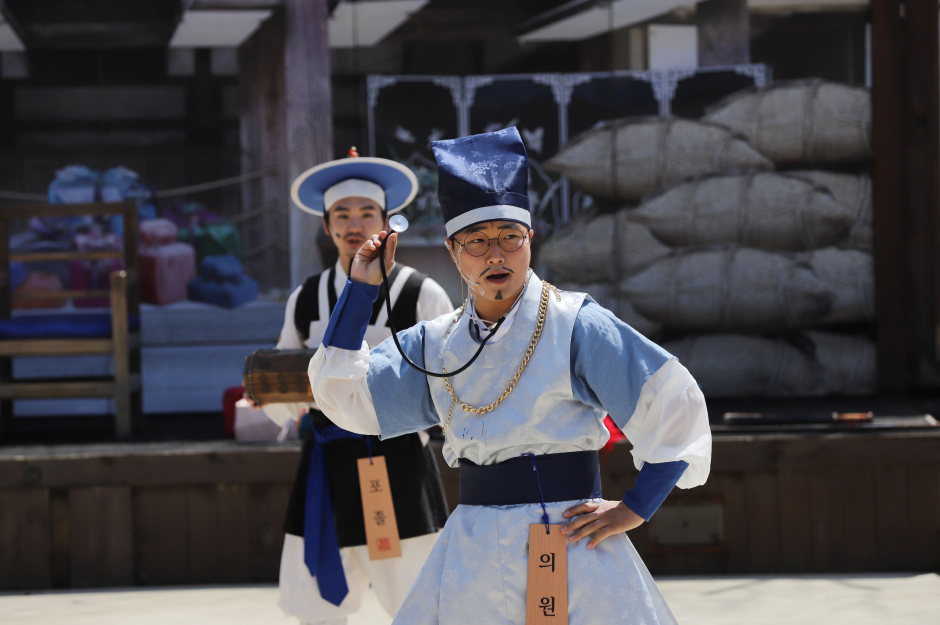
365, 266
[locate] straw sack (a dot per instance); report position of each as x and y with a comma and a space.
809, 121
850, 274
848, 362
584, 252
732, 289
732, 365
854, 193
762, 210
628, 158
610, 298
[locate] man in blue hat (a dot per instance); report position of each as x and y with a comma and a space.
324, 585
552, 364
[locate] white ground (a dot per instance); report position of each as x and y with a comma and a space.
823, 600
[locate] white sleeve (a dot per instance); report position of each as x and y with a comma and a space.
290, 339
433, 301
338, 380
671, 423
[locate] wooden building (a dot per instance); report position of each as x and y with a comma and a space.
192, 91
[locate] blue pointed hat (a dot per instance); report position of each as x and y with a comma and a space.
482, 178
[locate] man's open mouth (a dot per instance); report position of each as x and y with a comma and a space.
355, 241
497, 278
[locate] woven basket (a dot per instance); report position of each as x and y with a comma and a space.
584, 253
628, 158
809, 121
849, 362
610, 298
853, 192
761, 210
741, 289
732, 365
850, 274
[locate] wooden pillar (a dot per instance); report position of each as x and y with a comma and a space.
309, 117
724, 32
263, 145
906, 135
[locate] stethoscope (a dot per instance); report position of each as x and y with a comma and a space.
398, 223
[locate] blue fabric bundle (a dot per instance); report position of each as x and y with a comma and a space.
75, 184
224, 294
221, 268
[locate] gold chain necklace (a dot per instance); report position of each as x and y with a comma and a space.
543, 309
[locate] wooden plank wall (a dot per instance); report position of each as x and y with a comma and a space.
179, 518
122, 515
814, 506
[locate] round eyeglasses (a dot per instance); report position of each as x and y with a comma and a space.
478, 244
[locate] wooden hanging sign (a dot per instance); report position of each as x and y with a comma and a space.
547, 587
378, 510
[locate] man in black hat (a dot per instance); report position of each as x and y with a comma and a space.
522, 414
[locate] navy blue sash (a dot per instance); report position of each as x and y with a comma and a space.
563, 477
321, 547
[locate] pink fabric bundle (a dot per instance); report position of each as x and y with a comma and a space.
165, 265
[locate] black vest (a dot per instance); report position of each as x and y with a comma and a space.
404, 308
420, 506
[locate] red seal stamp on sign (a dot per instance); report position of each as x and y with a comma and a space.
384, 545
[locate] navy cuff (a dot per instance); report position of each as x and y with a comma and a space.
653, 485
351, 316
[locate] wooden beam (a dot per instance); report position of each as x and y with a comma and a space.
35, 257
264, 144
891, 278
66, 210
6, 364
724, 32
309, 116
54, 347
60, 294
905, 127
921, 171
47, 388
147, 464
121, 356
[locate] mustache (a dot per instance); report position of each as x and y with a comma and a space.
506, 269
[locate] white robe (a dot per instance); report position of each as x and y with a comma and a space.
593, 365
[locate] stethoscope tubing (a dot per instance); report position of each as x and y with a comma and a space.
391, 324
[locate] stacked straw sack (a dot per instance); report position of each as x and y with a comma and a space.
735, 245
